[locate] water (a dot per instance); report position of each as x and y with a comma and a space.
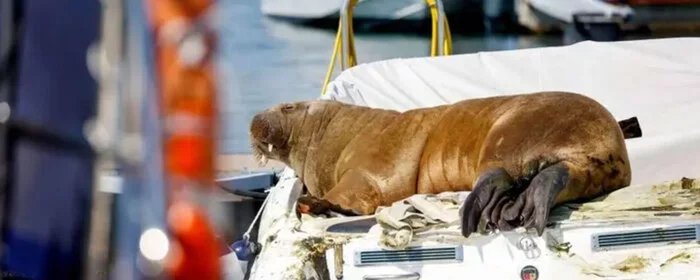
264, 62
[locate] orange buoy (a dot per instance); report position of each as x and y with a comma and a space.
185, 80
195, 254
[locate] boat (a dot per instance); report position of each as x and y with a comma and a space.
371, 15
603, 19
648, 230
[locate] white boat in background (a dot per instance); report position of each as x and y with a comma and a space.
305, 10
603, 19
327, 12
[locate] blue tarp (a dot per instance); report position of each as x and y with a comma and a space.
50, 195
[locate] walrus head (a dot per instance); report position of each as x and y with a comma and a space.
271, 130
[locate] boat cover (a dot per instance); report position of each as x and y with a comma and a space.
656, 80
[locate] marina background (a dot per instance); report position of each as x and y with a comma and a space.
266, 61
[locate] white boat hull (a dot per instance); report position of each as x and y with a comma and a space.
501, 256
305, 249
378, 10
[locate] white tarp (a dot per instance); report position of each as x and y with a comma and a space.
656, 80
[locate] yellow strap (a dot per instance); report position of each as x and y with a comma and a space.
331, 65
352, 58
448, 38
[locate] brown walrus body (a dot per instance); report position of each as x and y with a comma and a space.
519, 154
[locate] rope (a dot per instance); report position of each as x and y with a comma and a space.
352, 58
334, 56
246, 234
434, 44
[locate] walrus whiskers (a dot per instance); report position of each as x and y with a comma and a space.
259, 156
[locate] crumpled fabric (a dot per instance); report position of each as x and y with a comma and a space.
401, 221
418, 213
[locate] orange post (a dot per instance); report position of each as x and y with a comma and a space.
183, 50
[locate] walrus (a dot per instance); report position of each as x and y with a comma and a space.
519, 155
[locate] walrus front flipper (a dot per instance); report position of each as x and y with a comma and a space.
533, 205
630, 128
352, 196
307, 204
493, 188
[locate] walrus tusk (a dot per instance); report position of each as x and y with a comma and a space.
263, 160
269, 148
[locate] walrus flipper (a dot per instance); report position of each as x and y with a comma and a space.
308, 204
505, 206
492, 188
354, 195
532, 206
630, 128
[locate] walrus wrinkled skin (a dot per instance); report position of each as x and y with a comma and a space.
520, 155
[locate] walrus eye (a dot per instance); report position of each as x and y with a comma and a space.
288, 107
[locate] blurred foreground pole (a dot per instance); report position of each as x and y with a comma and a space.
184, 51
10, 19
105, 60
48, 198
141, 242
165, 220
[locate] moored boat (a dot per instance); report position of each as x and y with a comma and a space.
649, 230
370, 14
604, 20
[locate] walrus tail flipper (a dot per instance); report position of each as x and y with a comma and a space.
493, 188
506, 206
630, 128
532, 206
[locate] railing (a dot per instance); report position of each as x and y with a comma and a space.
440, 43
